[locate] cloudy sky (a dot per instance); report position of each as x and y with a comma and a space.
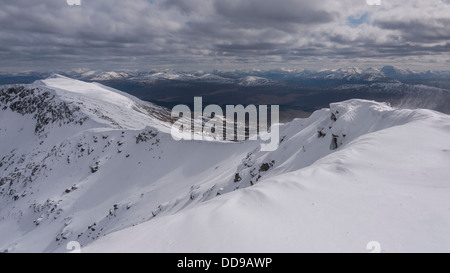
223, 34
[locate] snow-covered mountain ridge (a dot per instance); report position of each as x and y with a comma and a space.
388, 186
103, 170
273, 76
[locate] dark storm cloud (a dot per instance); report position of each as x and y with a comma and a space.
142, 33
419, 30
256, 12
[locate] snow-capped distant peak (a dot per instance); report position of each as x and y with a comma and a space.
372, 70
391, 71
169, 76
255, 81
350, 70
208, 77
57, 76
110, 76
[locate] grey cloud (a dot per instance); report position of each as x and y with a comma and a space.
419, 30
187, 6
142, 33
422, 22
255, 12
241, 47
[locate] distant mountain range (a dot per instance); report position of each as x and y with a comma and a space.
298, 92
252, 77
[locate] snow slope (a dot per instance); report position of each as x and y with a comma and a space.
83, 162
81, 180
389, 186
108, 105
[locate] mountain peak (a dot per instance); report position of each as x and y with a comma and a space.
105, 105
58, 76
390, 71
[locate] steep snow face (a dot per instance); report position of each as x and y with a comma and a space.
42, 105
304, 141
356, 172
